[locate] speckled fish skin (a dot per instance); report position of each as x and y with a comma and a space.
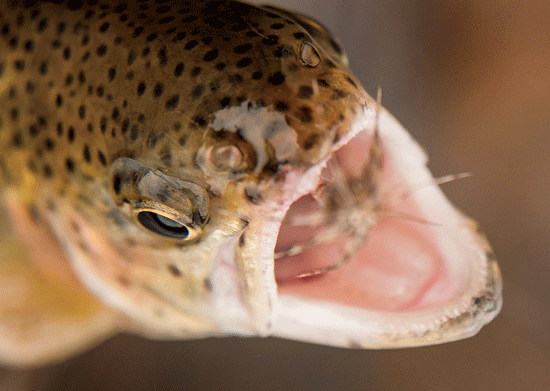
161, 143
82, 87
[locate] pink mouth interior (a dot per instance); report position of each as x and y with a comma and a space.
400, 267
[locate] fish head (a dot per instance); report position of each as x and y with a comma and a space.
246, 118
177, 223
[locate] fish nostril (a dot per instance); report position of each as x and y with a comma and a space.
227, 157
309, 56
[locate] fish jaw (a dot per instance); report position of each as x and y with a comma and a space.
458, 289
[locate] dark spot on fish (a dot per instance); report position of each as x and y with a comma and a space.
30, 87
104, 27
338, 94
172, 103
42, 25
33, 130
311, 141
101, 50
214, 85
86, 154
85, 57
173, 269
69, 79
276, 79
48, 173
235, 78
102, 158
138, 31
120, 8
49, 144
163, 58
124, 281
305, 114
197, 91
157, 91
189, 19
131, 57
305, 92
34, 214
253, 195
152, 140
270, 40
191, 44
69, 164
241, 49
244, 62
211, 55
19, 65
29, 46
70, 134
14, 114
141, 89
179, 69
196, 71
134, 132
323, 83
117, 184
17, 139
199, 120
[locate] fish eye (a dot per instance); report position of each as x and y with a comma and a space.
163, 225
158, 202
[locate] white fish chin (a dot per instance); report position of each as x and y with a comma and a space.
410, 283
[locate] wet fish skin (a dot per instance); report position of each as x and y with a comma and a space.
149, 152
81, 87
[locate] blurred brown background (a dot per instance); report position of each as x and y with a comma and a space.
471, 81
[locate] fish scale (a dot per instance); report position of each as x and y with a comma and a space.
156, 147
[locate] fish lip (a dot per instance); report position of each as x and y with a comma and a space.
484, 307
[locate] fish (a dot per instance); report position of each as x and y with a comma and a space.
191, 169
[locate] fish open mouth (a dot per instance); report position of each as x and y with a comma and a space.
399, 267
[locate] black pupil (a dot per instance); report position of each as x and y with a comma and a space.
163, 225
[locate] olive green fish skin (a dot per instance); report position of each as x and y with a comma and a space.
84, 88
